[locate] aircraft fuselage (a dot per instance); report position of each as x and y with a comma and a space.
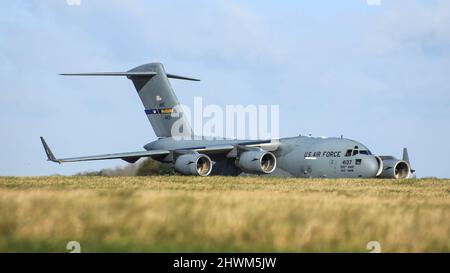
300, 156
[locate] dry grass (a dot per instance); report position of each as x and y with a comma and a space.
223, 214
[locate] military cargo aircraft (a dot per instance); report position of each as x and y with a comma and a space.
300, 156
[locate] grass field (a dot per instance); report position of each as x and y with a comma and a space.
178, 214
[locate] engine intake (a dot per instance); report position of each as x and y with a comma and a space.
257, 162
380, 166
394, 168
194, 164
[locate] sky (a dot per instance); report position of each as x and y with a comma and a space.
379, 74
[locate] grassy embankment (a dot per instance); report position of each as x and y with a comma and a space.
176, 213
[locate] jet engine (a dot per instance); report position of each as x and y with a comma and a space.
257, 162
380, 165
194, 164
394, 168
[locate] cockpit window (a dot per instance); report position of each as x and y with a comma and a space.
355, 151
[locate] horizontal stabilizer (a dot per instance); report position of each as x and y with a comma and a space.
172, 76
129, 74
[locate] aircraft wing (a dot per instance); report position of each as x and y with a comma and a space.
130, 157
230, 149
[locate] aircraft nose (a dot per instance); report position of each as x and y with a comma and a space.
370, 164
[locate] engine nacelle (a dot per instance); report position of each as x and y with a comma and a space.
394, 168
257, 162
380, 165
194, 164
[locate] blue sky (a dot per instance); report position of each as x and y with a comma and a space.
377, 74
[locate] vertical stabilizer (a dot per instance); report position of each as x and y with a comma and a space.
161, 104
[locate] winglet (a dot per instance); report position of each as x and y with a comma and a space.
406, 158
50, 156
405, 155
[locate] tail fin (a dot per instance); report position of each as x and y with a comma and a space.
159, 100
161, 104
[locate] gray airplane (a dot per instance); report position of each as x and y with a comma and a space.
300, 156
